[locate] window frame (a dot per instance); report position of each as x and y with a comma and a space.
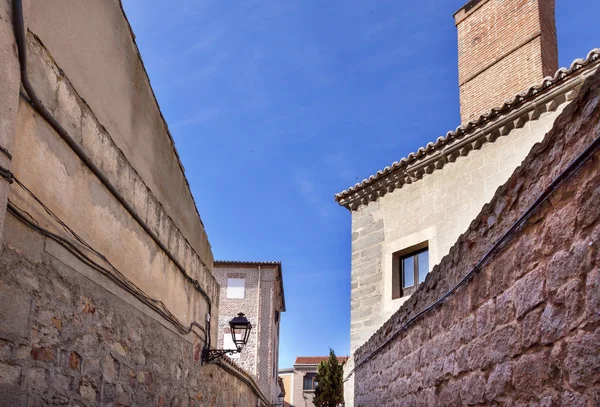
397, 270
415, 255
313, 381
234, 288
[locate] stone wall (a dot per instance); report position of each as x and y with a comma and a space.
525, 330
65, 339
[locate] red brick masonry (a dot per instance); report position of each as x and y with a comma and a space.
525, 331
503, 47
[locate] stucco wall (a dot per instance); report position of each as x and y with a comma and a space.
435, 209
53, 172
303, 398
10, 82
525, 329
93, 44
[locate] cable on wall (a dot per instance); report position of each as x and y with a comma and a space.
19, 28
111, 272
571, 169
7, 153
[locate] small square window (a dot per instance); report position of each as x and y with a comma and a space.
414, 267
236, 287
409, 269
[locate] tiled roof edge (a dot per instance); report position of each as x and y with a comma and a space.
257, 263
393, 176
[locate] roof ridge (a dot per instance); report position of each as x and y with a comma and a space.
442, 141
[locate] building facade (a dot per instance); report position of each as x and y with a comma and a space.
255, 289
300, 381
406, 217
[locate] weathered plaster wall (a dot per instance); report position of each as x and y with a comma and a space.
526, 329
435, 209
10, 81
93, 44
65, 339
48, 167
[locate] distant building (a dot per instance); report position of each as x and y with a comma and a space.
256, 289
300, 381
406, 217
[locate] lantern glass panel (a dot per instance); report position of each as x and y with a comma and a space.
240, 330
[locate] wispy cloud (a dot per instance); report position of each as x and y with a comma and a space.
309, 191
199, 117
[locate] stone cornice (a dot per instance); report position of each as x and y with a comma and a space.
515, 113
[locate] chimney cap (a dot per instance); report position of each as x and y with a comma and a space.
468, 6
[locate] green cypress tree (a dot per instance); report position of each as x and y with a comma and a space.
330, 386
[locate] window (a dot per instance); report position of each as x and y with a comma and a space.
228, 344
236, 287
413, 267
310, 381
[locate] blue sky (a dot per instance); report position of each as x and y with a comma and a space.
275, 106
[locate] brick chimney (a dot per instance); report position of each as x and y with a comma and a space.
504, 46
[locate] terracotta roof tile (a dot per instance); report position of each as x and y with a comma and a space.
315, 360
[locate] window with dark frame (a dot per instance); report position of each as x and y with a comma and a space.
413, 268
310, 381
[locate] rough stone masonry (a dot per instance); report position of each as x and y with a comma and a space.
525, 331
65, 340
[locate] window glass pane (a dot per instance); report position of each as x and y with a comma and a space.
408, 272
423, 260
236, 287
309, 381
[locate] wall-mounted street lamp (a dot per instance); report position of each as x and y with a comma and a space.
280, 399
240, 332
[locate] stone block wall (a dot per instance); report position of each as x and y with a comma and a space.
367, 274
525, 330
